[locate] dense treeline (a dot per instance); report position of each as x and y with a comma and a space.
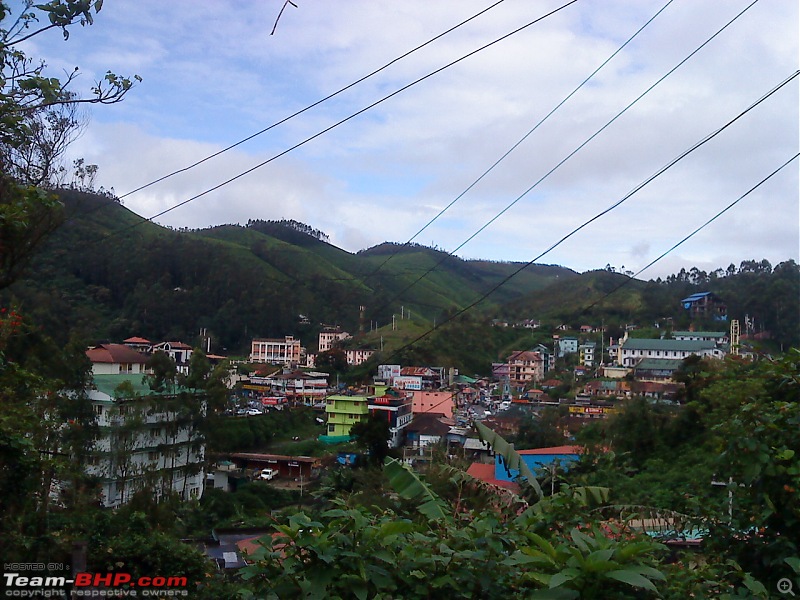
106, 274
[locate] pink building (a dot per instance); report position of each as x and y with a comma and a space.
433, 402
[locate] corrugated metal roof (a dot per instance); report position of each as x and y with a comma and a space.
108, 384
674, 345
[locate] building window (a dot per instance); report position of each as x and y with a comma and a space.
331, 428
98, 410
152, 455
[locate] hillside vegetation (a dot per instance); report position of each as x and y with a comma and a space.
106, 274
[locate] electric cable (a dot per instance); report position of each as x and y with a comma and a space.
523, 138
314, 104
689, 236
566, 158
616, 204
336, 124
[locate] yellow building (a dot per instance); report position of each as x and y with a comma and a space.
344, 412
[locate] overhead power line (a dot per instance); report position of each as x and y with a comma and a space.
314, 104
691, 235
524, 137
566, 158
616, 204
340, 122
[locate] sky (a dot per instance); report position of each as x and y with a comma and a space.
213, 74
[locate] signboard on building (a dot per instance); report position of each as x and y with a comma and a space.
407, 382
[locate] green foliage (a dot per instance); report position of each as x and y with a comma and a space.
406, 483
352, 552
372, 436
542, 430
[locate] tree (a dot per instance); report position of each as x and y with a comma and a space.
332, 361
38, 119
373, 436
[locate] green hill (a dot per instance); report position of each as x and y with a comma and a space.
108, 274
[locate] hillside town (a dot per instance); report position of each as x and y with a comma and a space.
587, 376
205, 397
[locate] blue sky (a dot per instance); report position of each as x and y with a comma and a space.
213, 74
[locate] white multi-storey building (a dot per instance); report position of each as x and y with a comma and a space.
148, 439
329, 336
632, 350
286, 351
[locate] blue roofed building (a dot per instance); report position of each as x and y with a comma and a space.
705, 305
537, 458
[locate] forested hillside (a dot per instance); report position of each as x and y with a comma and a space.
106, 274
768, 298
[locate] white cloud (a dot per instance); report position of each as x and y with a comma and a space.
213, 75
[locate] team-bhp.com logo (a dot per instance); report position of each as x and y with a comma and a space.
93, 585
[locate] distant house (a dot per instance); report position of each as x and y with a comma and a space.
286, 351
718, 337
425, 401
705, 305
426, 429
632, 350
587, 353
299, 386
329, 336
395, 408
600, 388
656, 369
566, 345
525, 367
431, 377
116, 359
179, 352
344, 412
139, 344
357, 357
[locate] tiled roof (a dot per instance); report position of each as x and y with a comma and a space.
115, 353
136, 340
525, 355
431, 424
485, 473
175, 345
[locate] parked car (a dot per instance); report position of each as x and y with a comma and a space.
268, 474
254, 411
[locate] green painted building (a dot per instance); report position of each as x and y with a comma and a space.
344, 412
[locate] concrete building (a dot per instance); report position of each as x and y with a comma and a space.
587, 353
329, 336
433, 402
566, 345
147, 439
395, 408
525, 367
286, 351
343, 412
632, 350
116, 359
